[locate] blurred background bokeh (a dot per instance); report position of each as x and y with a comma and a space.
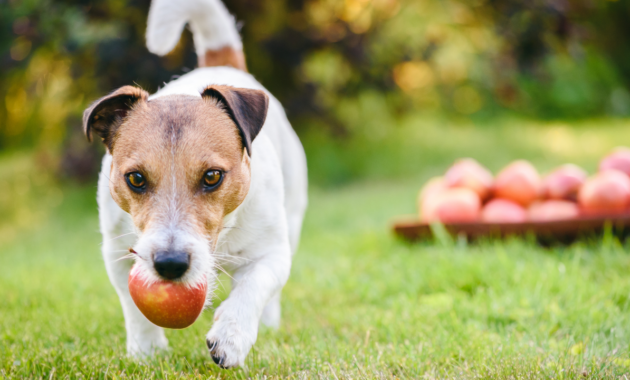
376, 89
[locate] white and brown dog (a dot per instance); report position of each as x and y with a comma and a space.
205, 174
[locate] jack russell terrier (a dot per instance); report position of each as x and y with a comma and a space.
203, 175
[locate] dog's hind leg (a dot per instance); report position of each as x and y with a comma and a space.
143, 337
271, 315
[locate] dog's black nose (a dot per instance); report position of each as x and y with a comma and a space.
171, 265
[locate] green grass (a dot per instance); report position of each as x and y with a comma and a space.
359, 303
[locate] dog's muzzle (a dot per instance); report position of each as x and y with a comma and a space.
171, 265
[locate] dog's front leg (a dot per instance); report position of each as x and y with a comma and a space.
236, 321
143, 337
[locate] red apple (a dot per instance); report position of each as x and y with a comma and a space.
430, 190
607, 192
553, 210
452, 206
518, 182
433, 186
564, 182
470, 174
167, 303
619, 159
503, 211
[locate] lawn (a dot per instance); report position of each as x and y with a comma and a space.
359, 303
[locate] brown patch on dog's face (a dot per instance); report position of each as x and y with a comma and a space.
172, 142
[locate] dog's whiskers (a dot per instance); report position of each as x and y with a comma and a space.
119, 250
118, 237
125, 257
232, 259
227, 260
219, 267
110, 181
237, 263
216, 280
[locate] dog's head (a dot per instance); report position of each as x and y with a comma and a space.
180, 165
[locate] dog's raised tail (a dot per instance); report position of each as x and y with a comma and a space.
216, 37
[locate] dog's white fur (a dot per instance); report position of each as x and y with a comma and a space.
262, 234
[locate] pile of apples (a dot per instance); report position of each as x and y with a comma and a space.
468, 192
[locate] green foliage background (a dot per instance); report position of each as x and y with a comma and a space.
327, 60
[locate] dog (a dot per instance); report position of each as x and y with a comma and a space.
207, 174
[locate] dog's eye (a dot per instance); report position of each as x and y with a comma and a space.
212, 179
136, 181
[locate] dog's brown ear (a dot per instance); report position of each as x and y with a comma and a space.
105, 115
246, 107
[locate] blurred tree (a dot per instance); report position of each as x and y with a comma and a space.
567, 57
347, 67
57, 57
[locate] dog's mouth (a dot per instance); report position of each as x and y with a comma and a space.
180, 257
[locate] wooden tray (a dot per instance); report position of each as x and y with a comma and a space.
560, 231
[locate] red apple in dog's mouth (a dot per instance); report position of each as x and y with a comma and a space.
167, 304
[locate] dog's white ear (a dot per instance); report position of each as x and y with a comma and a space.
105, 115
246, 107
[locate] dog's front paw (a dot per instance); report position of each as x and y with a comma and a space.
231, 338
